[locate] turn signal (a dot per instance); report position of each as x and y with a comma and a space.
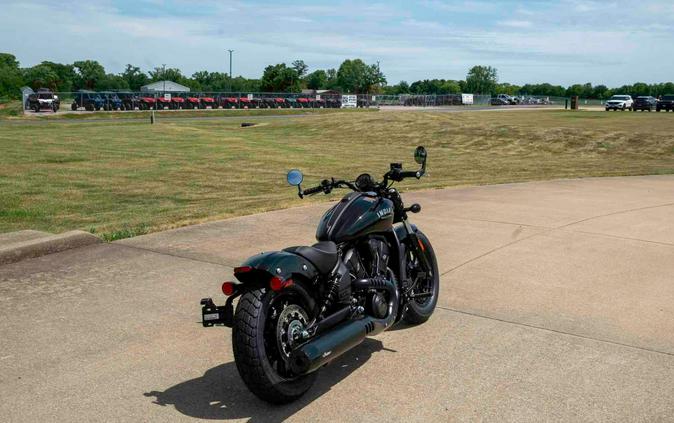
277, 284
228, 288
421, 245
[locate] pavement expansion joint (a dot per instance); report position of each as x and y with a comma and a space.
164, 253
614, 213
575, 335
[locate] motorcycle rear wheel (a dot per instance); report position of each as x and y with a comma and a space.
256, 350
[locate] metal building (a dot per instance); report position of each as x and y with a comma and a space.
167, 86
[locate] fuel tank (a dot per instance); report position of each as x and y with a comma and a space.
357, 214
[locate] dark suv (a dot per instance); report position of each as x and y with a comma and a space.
644, 102
130, 101
89, 100
112, 101
665, 103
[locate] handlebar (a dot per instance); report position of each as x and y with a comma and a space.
326, 186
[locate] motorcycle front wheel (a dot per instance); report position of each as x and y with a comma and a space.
421, 308
262, 338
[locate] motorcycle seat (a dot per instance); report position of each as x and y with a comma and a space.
323, 255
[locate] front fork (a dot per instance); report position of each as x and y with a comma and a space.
419, 250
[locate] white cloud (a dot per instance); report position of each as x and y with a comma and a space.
561, 42
516, 24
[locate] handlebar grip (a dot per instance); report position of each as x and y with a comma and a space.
313, 190
411, 174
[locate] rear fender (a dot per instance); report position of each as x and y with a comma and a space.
259, 269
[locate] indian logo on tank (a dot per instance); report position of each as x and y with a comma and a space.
384, 212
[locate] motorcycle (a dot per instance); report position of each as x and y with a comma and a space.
304, 306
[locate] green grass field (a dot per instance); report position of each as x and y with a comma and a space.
124, 178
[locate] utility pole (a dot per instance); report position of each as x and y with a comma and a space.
229, 85
163, 76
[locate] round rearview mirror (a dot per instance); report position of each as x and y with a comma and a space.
295, 177
420, 155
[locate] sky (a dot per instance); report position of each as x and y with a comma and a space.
561, 42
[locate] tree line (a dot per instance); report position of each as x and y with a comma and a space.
352, 76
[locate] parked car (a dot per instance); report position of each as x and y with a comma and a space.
665, 103
268, 103
147, 102
257, 103
281, 102
244, 103
619, 102
303, 102
130, 101
497, 101
43, 99
333, 103
177, 102
207, 101
228, 102
503, 100
193, 101
89, 100
112, 101
163, 103
644, 103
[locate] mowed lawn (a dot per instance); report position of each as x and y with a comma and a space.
121, 179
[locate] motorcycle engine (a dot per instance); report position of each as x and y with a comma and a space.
370, 260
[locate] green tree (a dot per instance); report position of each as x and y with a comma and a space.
11, 78
280, 78
300, 67
41, 76
481, 80
316, 80
88, 73
640, 88
113, 82
166, 74
134, 77
355, 76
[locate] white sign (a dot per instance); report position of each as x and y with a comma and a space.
250, 96
167, 96
349, 101
466, 98
318, 96
374, 98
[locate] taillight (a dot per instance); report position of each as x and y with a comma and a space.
277, 284
242, 269
228, 288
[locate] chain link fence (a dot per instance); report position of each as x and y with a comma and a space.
130, 100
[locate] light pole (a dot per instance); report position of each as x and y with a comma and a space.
229, 85
163, 76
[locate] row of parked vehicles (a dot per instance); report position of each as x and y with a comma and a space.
508, 100
643, 103
92, 101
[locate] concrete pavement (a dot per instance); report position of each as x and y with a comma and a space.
557, 304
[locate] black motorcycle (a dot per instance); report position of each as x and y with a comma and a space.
304, 306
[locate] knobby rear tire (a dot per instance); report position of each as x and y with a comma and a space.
250, 354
